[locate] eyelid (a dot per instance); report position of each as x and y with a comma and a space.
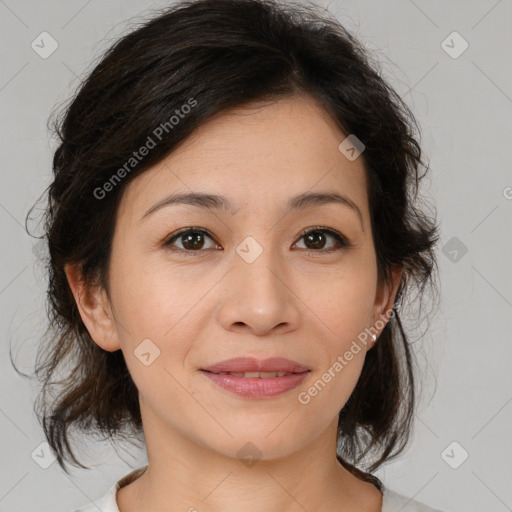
327, 230
339, 237
173, 236
342, 240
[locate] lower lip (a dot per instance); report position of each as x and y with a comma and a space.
255, 387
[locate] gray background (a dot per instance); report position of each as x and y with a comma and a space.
464, 106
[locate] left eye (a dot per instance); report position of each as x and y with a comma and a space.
317, 236
192, 240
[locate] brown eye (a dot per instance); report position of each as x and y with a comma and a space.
194, 240
191, 240
317, 238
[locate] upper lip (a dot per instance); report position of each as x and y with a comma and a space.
251, 364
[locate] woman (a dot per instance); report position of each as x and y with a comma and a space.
233, 227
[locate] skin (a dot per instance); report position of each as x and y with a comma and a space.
208, 304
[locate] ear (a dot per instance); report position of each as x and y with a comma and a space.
384, 301
95, 310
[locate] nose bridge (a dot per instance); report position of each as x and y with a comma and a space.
257, 294
257, 265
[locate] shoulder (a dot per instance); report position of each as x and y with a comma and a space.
395, 502
108, 502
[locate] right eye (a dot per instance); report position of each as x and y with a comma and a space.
191, 239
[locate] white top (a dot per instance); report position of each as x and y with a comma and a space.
391, 501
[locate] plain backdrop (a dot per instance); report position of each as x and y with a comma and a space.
459, 459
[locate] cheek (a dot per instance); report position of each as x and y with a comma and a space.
335, 379
342, 312
343, 303
151, 300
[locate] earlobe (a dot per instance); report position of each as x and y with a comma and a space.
94, 309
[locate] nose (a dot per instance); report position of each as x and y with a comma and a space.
259, 297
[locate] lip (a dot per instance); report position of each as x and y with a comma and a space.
251, 364
256, 387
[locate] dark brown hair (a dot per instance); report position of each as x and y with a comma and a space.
223, 54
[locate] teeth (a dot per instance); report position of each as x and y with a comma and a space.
261, 375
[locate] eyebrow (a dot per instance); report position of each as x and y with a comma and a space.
216, 202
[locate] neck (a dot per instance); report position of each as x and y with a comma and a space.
185, 476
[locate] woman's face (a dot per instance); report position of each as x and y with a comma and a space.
247, 281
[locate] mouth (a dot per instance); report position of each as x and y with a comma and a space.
252, 378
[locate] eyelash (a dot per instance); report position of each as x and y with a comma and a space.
340, 239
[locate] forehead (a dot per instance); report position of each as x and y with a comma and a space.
260, 153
